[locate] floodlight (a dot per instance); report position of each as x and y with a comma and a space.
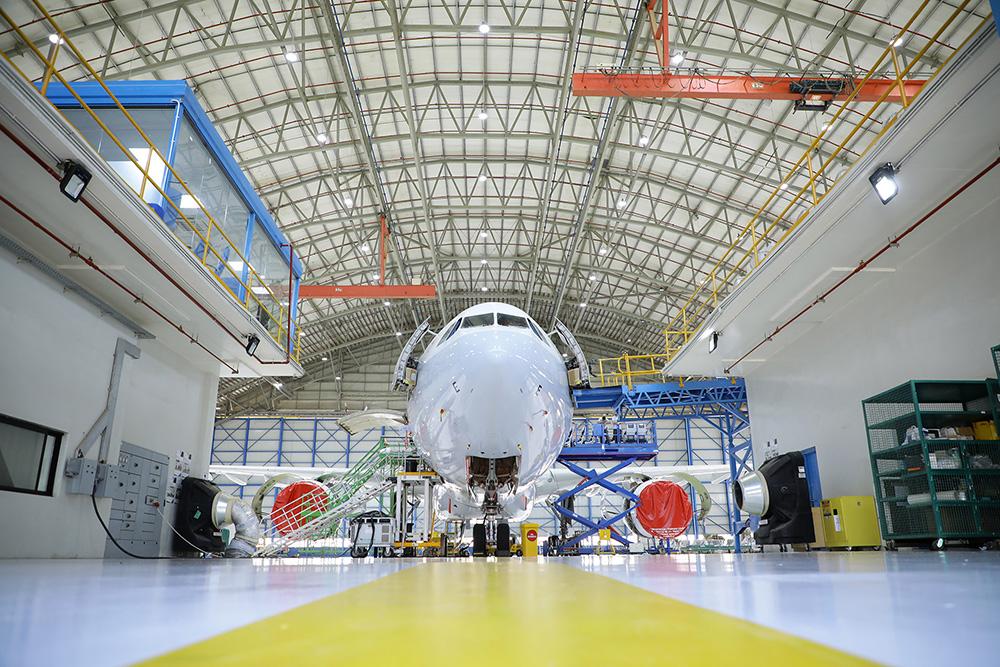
252, 343
884, 182
74, 181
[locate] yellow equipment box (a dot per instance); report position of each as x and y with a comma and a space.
985, 430
529, 540
850, 521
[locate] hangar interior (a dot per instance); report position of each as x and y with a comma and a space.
552, 331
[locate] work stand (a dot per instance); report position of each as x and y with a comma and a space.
564, 503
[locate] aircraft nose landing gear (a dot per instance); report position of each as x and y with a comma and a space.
491, 533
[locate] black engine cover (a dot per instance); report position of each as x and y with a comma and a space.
194, 517
788, 519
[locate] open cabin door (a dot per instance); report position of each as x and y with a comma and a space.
404, 375
576, 365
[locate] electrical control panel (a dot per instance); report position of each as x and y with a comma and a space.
137, 501
80, 476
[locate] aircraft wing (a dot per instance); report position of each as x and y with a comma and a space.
368, 419
562, 479
240, 474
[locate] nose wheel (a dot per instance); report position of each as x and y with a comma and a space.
491, 533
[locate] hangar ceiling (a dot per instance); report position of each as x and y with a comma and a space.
499, 184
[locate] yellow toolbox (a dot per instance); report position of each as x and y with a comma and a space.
850, 522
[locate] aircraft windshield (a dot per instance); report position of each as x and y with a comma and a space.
484, 320
505, 320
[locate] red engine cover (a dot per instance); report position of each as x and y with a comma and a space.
664, 509
297, 504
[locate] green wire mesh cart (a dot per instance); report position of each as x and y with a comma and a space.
936, 462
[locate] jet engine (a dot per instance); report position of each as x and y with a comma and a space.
664, 510
778, 493
297, 504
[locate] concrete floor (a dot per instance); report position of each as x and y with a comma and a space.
906, 608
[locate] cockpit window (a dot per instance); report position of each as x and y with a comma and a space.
451, 331
506, 320
536, 330
484, 320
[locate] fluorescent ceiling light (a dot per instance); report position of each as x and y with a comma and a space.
348, 202
677, 58
385, 303
484, 28
364, 247
622, 202
482, 235
291, 56
484, 261
323, 359
583, 304
602, 251
643, 141
592, 277
399, 333
484, 289
482, 178
483, 115
337, 378
322, 138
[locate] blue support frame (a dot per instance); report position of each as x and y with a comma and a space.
717, 406
601, 479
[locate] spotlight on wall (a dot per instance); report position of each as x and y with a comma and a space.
252, 343
884, 182
713, 342
74, 181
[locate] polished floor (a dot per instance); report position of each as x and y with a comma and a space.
907, 608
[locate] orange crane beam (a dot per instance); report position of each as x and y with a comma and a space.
730, 87
367, 291
813, 93
380, 291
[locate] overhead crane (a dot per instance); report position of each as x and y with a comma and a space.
810, 92
379, 291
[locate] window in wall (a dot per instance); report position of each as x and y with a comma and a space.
271, 266
484, 320
29, 454
505, 320
211, 191
155, 122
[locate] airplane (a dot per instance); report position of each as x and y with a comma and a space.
489, 407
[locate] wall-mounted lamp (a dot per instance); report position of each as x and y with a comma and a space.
252, 343
884, 182
74, 180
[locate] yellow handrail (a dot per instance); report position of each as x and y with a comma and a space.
690, 317
281, 336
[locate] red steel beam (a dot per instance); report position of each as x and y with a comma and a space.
729, 87
367, 291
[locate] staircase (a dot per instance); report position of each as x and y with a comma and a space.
343, 497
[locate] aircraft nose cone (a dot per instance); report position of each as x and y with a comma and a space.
499, 391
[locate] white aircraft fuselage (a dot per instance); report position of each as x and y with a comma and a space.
491, 409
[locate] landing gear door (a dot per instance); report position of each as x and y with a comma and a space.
404, 375
577, 365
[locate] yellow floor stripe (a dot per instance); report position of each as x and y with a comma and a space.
512, 612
